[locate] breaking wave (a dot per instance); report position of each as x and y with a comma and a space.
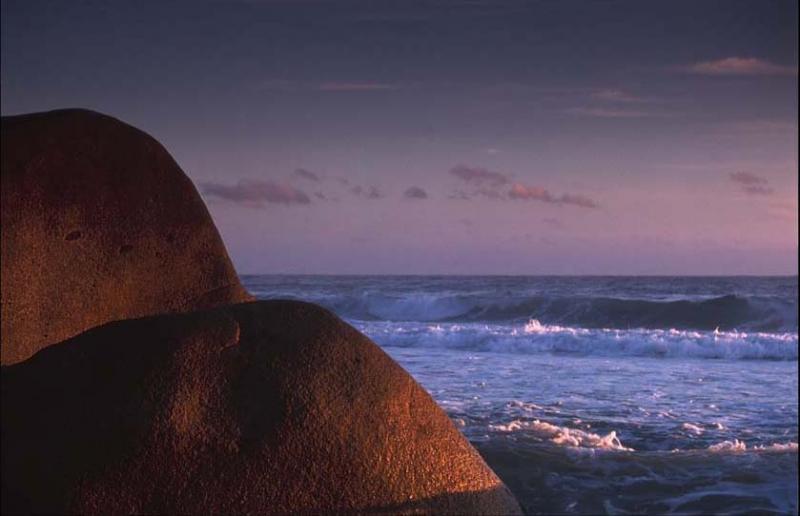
728, 312
739, 446
535, 337
563, 436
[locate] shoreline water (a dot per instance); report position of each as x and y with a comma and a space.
577, 419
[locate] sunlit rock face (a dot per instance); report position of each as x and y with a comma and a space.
98, 224
267, 407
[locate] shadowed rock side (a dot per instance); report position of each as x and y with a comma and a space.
268, 407
98, 224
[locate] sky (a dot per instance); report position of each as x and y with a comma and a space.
449, 137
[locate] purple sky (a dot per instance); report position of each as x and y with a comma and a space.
501, 137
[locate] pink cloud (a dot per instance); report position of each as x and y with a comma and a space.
536, 193
740, 66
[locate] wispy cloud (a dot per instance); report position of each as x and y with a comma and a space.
357, 190
620, 96
479, 176
255, 193
307, 174
459, 195
771, 127
329, 86
747, 178
415, 192
605, 112
613, 103
758, 190
751, 183
535, 193
357, 86
493, 185
739, 66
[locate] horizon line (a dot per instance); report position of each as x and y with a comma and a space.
795, 275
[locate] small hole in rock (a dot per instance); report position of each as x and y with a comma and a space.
126, 248
73, 235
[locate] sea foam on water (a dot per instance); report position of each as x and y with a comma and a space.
594, 394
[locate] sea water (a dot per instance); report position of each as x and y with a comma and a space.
598, 394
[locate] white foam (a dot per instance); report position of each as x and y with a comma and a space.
563, 436
524, 405
692, 428
533, 326
738, 446
535, 337
728, 446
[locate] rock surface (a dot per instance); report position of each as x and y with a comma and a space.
98, 224
267, 407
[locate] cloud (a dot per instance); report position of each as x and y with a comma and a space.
577, 200
459, 195
307, 174
479, 176
255, 193
415, 192
329, 86
535, 193
751, 184
746, 178
758, 190
615, 95
368, 192
489, 184
601, 112
357, 86
739, 66
364, 192
520, 191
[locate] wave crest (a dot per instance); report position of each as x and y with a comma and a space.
535, 337
739, 446
752, 313
562, 435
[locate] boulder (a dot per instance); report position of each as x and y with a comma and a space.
266, 407
98, 224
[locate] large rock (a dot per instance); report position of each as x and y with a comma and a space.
268, 407
98, 224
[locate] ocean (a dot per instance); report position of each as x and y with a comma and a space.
598, 395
